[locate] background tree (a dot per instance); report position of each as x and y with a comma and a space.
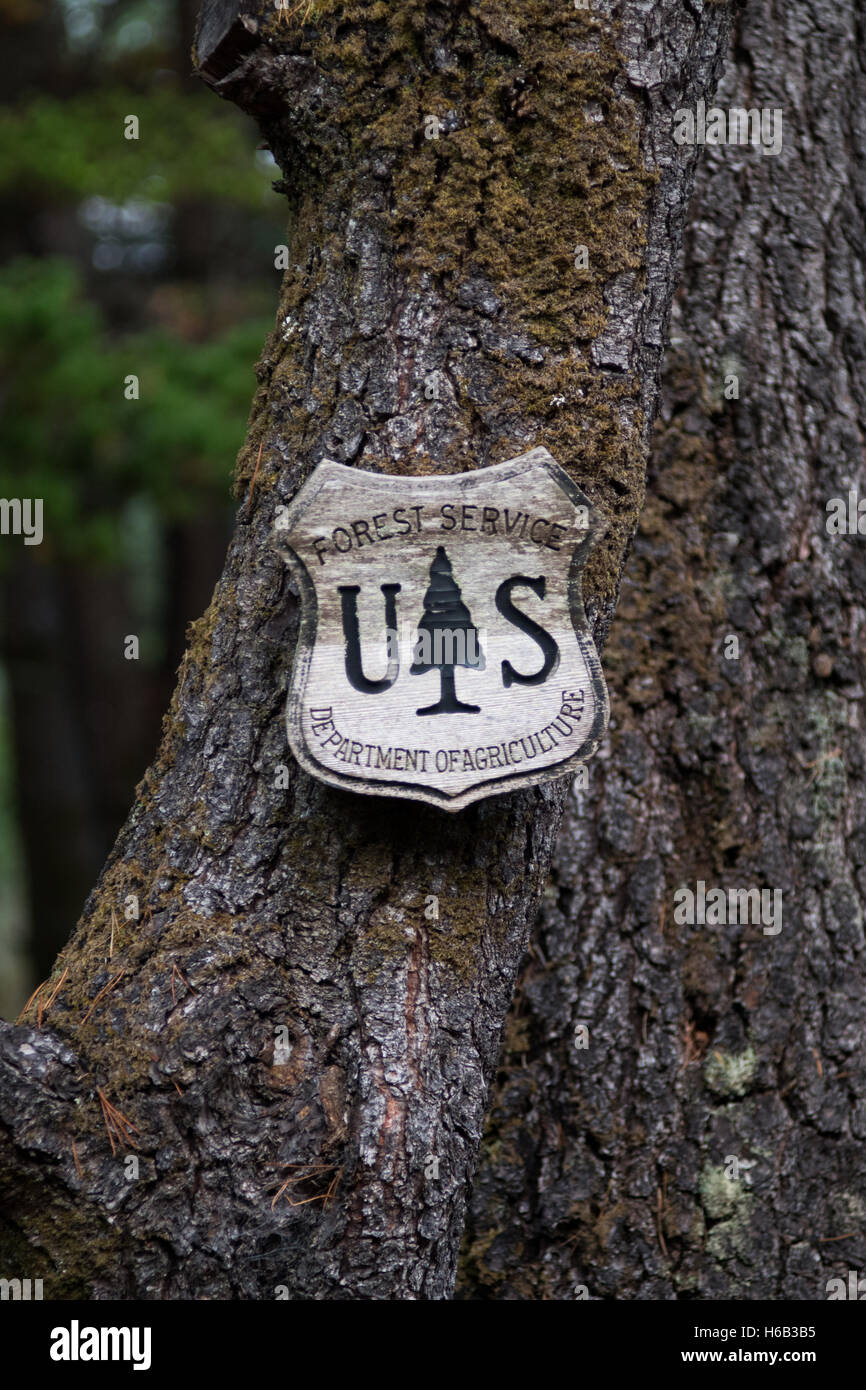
444, 163
740, 762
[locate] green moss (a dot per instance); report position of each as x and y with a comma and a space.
669, 611
64, 1242
451, 941
522, 173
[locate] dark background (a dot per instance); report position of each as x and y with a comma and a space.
155, 258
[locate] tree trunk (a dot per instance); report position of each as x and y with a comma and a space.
304, 1055
708, 1142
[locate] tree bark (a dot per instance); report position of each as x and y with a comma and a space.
269, 915
608, 1167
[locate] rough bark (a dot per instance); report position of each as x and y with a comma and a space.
609, 1167
265, 909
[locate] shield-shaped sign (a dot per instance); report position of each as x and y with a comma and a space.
444, 653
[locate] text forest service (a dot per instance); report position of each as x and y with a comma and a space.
496, 683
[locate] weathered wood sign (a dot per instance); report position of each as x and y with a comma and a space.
444, 653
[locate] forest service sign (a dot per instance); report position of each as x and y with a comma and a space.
443, 653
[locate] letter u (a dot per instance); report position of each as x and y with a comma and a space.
352, 633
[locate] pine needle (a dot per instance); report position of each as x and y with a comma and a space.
117, 1124
105, 988
44, 1007
38, 990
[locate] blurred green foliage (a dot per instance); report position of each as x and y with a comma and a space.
69, 435
186, 148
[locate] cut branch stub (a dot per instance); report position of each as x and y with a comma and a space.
227, 33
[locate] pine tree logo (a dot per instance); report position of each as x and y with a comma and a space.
447, 637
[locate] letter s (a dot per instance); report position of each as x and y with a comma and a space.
530, 627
